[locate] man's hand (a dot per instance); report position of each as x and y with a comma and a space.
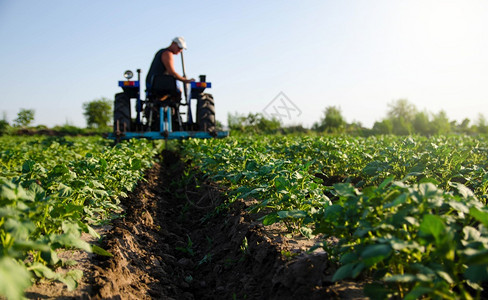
188, 80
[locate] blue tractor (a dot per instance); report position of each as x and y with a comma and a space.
162, 114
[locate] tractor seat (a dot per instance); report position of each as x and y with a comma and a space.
163, 90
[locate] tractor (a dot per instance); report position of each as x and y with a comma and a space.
161, 114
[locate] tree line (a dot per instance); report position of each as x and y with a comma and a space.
402, 118
97, 113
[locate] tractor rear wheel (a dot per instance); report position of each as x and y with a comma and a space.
206, 113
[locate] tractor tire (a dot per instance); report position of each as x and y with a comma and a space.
122, 118
206, 113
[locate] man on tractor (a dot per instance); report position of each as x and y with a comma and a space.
158, 79
161, 83
159, 115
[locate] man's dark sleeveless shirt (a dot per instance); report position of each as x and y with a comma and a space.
157, 67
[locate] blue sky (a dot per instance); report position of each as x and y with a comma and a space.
357, 55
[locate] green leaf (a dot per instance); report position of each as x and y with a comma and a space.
96, 184
64, 190
386, 182
476, 257
459, 206
103, 163
136, 164
87, 228
349, 258
333, 212
399, 244
281, 183
294, 214
100, 193
418, 168
70, 240
417, 292
463, 190
306, 232
270, 219
433, 225
8, 211
345, 189
429, 180
445, 276
477, 273
344, 272
471, 233
375, 253
71, 228
28, 166
71, 279
429, 190
251, 165
14, 279
479, 215
375, 167
412, 221
402, 198
100, 251
405, 278
7, 193
20, 230
361, 232
42, 271
358, 269
59, 170
51, 257
31, 245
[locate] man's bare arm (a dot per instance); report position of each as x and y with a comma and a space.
167, 58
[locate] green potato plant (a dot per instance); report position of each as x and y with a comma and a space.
408, 212
51, 191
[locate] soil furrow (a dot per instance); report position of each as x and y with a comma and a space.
173, 244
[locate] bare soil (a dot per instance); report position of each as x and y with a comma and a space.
178, 241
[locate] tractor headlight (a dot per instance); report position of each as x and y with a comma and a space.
128, 74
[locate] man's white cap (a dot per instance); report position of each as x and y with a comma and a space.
180, 41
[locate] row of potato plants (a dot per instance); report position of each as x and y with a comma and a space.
408, 212
53, 189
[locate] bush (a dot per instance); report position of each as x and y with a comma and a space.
98, 113
4, 126
25, 117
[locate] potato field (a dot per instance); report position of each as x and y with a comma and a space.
379, 217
